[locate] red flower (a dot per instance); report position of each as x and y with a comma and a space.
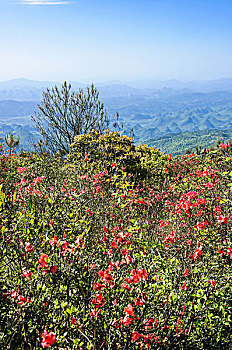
136, 336
116, 324
127, 321
222, 219
49, 339
114, 165
114, 244
129, 310
43, 261
27, 274
95, 314
138, 302
105, 229
212, 282
53, 269
28, 247
22, 300
138, 275
21, 170
105, 276
184, 287
125, 286
55, 240
14, 294
98, 286
99, 301
73, 321
186, 272
148, 324
196, 253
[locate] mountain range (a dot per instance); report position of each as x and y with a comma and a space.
153, 109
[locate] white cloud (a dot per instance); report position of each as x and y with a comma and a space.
43, 2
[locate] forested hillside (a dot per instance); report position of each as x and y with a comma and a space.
189, 141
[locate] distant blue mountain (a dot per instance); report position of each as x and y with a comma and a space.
151, 108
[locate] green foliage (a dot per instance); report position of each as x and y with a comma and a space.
103, 149
99, 260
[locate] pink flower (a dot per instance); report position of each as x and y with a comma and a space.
21, 170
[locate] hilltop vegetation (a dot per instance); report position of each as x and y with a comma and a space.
116, 247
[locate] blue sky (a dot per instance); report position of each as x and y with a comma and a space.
104, 40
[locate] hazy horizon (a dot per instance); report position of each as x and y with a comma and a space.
101, 41
116, 81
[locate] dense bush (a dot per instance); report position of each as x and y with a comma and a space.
92, 259
103, 149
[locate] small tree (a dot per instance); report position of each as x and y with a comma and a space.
11, 141
63, 114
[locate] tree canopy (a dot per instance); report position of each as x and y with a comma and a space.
64, 114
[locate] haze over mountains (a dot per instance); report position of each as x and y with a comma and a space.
197, 85
24, 89
152, 108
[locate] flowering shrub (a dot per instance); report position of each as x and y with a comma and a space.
105, 150
91, 259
